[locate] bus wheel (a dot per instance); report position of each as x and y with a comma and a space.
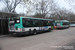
29, 31
49, 29
67, 27
34, 32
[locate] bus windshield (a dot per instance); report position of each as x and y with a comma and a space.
65, 23
72, 22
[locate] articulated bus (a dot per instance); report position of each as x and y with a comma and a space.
72, 23
29, 25
62, 24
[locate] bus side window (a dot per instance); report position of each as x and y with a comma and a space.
35, 23
48, 23
29, 23
51, 23
40, 23
23, 21
44, 23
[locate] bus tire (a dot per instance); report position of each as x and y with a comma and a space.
68, 27
29, 31
34, 32
49, 29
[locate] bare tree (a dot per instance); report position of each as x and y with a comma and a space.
60, 14
63, 15
11, 4
71, 16
42, 8
46, 6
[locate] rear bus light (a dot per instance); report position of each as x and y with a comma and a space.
54, 26
20, 29
14, 33
9, 30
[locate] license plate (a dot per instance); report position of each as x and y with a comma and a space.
11, 22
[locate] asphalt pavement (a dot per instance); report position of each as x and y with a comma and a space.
58, 39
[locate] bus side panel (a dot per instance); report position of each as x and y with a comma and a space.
32, 28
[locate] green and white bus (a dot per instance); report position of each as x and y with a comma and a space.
72, 23
29, 25
62, 24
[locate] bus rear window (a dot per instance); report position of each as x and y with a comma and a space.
16, 20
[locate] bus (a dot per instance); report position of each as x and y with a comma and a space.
29, 25
62, 24
72, 23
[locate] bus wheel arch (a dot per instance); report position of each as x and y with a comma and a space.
49, 29
29, 31
34, 32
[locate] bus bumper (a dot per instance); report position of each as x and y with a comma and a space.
62, 26
59, 26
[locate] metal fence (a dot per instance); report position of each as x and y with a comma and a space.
3, 26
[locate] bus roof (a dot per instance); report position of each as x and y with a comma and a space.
72, 21
37, 18
61, 21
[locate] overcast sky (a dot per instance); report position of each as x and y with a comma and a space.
64, 4
61, 3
